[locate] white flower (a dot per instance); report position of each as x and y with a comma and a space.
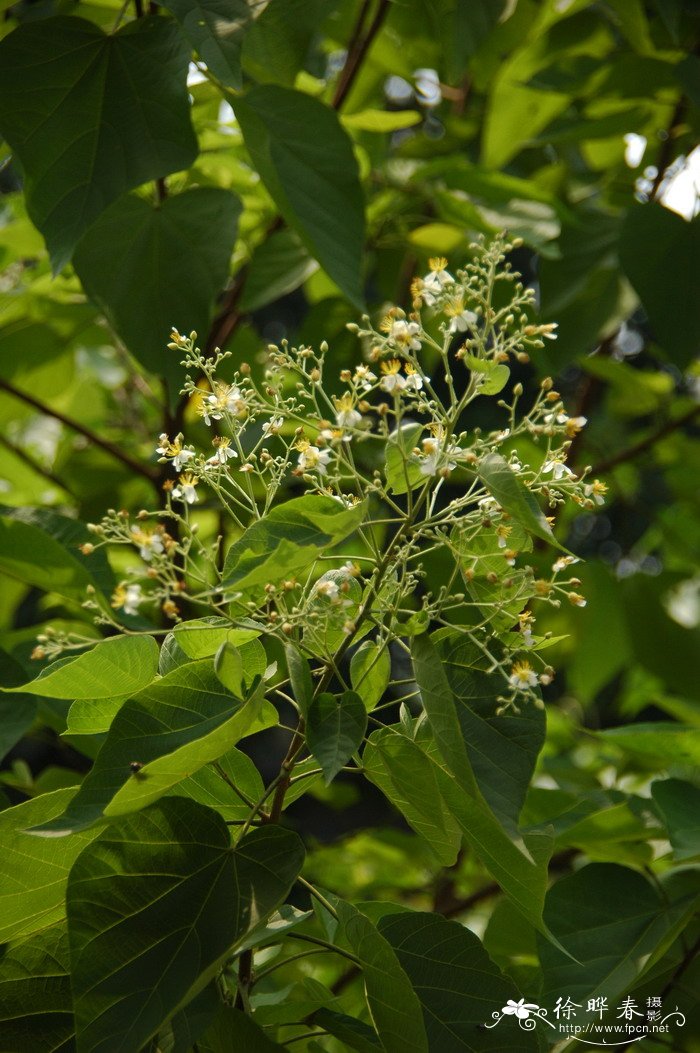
329, 589
149, 542
434, 452
392, 381
272, 426
346, 415
522, 676
548, 330
488, 505
312, 458
557, 467
174, 451
520, 1009
405, 334
461, 318
596, 490
563, 562
556, 418
435, 280
186, 490
223, 452
226, 398
127, 598
364, 377
414, 381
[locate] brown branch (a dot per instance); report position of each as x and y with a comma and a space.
356, 54
622, 456
82, 429
23, 456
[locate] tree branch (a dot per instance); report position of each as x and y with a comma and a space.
622, 456
82, 429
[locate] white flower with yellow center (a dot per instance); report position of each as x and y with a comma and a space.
364, 377
345, 413
405, 334
460, 318
186, 490
556, 466
435, 280
328, 588
127, 598
596, 490
223, 452
311, 458
272, 426
522, 676
563, 562
414, 381
225, 398
150, 542
174, 451
392, 381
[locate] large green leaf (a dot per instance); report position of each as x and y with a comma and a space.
36, 1010
41, 548
202, 637
120, 665
395, 1010
370, 672
305, 159
335, 728
614, 923
288, 539
234, 1031
276, 45
154, 904
16, 713
185, 706
456, 982
209, 787
660, 254
503, 750
91, 116
280, 264
149, 268
679, 805
514, 497
403, 772
34, 870
519, 864
215, 29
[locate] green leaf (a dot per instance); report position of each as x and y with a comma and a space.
306, 161
407, 777
202, 637
614, 923
519, 864
381, 121
35, 995
187, 705
154, 904
182, 1031
277, 42
370, 672
514, 497
491, 376
209, 788
354, 1033
280, 264
326, 633
395, 1010
502, 750
121, 663
41, 548
288, 539
33, 870
401, 468
91, 116
300, 677
215, 29
238, 667
456, 983
658, 743
149, 268
17, 713
235, 1031
335, 728
679, 805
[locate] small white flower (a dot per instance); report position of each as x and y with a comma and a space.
329, 589
563, 562
557, 467
461, 318
311, 458
405, 334
174, 451
272, 426
414, 381
488, 505
127, 598
186, 490
556, 418
223, 452
596, 490
346, 415
392, 380
364, 377
435, 280
148, 542
226, 398
522, 676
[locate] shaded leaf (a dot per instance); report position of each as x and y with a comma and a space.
36, 1009
306, 161
679, 805
514, 497
277, 43
234, 1031
300, 677
401, 468
215, 29
148, 925
151, 268
91, 116
334, 731
370, 671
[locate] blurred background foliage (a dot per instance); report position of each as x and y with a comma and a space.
266, 172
